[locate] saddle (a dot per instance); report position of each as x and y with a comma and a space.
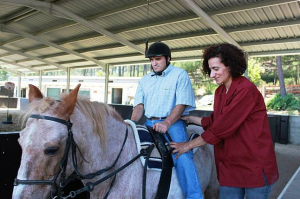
167, 165
155, 154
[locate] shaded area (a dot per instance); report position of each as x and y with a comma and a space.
288, 160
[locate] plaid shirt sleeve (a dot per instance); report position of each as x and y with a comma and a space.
139, 95
185, 93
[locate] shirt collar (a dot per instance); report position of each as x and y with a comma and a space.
165, 72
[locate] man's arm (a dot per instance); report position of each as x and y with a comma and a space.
137, 112
172, 118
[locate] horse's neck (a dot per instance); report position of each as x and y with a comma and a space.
116, 135
99, 157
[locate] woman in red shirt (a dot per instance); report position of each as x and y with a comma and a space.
238, 128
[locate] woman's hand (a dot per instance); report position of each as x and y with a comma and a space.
183, 147
180, 148
192, 119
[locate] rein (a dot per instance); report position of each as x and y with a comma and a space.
71, 145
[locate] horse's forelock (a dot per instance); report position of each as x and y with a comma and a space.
39, 106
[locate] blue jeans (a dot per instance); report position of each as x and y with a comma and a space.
184, 165
250, 193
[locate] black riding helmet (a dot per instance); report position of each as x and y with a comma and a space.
158, 49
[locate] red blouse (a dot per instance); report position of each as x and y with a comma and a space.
240, 132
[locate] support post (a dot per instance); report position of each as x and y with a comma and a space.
68, 79
19, 85
40, 80
106, 83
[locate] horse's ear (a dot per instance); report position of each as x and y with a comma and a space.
68, 103
34, 93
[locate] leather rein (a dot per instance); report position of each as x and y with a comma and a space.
71, 145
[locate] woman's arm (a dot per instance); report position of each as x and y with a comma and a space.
190, 119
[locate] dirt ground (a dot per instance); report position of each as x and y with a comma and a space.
288, 160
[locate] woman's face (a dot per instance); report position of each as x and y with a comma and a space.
219, 72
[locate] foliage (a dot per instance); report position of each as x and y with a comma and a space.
290, 65
189, 66
210, 88
100, 73
254, 72
3, 75
288, 102
267, 77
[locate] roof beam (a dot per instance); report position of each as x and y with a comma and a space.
193, 58
248, 6
167, 38
16, 64
10, 29
89, 18
275, 53
33, 57
248, 44
17, 15
253, 54
53, 9
209, 21
180, 18
172, 20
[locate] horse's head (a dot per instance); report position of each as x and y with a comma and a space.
43, 143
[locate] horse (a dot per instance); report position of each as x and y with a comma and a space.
56, 129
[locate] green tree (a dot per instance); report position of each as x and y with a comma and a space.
3, 75
280, 76
290, 66
254, 71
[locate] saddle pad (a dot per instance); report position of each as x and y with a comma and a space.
143, 140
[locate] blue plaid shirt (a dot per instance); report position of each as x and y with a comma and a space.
160, 94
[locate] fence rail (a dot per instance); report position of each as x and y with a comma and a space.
272, 90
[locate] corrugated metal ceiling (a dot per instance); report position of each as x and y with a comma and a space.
114, 31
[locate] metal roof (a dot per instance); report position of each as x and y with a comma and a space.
59, 34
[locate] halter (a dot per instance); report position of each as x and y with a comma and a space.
71, 144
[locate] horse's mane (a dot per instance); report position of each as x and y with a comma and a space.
94, 111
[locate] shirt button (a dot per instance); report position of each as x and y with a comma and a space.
220, 163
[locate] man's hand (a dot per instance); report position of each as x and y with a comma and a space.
162, 127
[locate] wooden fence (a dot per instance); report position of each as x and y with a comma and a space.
272, 90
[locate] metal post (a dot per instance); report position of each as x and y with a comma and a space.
19, 85
40, 80
68, 79
246, 71
106, 83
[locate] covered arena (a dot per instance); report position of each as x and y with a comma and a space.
37, 36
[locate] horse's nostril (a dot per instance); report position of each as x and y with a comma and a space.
51, 151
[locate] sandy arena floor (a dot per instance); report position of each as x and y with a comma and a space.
288, 160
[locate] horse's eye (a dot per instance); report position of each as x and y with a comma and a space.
51, 150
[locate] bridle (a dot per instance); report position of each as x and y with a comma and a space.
71, 145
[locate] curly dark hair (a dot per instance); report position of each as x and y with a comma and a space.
230, 55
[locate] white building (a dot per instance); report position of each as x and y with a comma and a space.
121, 90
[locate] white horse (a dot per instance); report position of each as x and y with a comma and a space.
99, 135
